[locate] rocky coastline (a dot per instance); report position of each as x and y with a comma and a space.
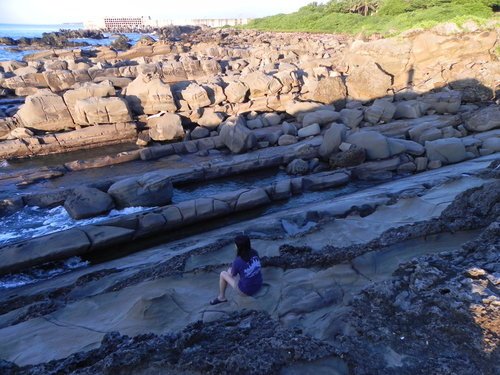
395, 275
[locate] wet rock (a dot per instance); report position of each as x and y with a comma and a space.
84, 202
148, 190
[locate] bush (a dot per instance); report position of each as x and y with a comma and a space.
386, 17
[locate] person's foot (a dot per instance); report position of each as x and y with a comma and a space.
217, 300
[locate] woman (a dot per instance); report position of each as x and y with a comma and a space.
247, 266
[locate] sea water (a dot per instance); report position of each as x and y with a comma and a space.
17, 31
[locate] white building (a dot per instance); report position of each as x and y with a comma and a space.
137, 23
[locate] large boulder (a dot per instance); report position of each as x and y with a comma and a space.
380, 111
367, 81
349, 158
149, 190
447, 151
237, 137
258, 83
101, 111
85, 202
236, 92
45, 111
351, 117
320, 117
196, 96
484, 119
375, 144
165, 127
332, 139
329, 90
86, 91
150, 96
59, 80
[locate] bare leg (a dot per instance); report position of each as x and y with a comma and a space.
225, 278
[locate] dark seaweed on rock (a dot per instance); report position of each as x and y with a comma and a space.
245, 342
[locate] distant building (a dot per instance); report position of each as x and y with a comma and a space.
141, 23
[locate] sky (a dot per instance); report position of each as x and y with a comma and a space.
59, 11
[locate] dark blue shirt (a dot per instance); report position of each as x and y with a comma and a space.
250, 275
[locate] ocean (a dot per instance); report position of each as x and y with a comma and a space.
17, 31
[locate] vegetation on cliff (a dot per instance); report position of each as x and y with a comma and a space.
387, 17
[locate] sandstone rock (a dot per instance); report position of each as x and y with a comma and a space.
20, 133
287, 139
86, 91
236, 92
367, 81
237, 137
196, 96
166, 127
375, 144
309, 131
59, 80
447, 151
150, 96
329, 90
320, 117
97, 110
210, 119
351, 117
45, 111
298, 167
484, 119
381, 110
85, 202
258, 83
350, 158
148, 190
332, 139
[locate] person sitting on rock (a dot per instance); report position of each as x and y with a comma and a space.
247, 266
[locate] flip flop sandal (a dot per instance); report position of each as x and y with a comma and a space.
216, 301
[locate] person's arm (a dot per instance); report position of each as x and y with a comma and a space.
235, 269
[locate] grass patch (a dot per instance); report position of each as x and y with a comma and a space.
386, 17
